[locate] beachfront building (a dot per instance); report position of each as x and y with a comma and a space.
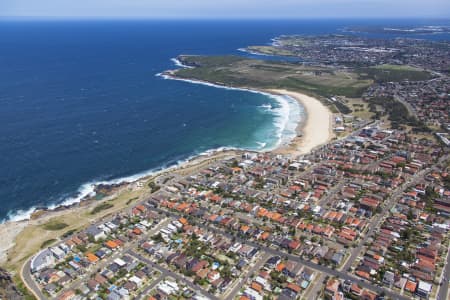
42, 260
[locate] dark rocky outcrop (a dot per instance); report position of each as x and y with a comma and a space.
8, 289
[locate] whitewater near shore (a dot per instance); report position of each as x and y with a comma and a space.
315, 129
21, 239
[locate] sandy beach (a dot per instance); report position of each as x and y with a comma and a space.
315, 130
23, 238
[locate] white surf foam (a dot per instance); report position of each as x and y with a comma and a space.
178, 63
88, 189
266, 107
19, 215
261, 145
288, 114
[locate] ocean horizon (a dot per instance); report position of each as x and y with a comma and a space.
82, 103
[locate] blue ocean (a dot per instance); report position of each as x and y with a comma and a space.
80, 102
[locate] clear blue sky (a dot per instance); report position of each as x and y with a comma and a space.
227, 8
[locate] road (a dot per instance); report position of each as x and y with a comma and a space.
25, 272
309, 264
314, 287
34, 288
165, 272
147, 290
28, 279
76, 284
332, 192
391, 202
241, 282
443, 290
29, 282
407, 105
376, 222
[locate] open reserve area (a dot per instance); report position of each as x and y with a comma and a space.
259, 74
342, 89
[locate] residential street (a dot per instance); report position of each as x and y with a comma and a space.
241, 282
147, 290
165, 272
376, 222
443, 289
319, 268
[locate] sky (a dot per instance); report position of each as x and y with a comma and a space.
226, 9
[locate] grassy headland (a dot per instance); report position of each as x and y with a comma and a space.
319, 81
244, 72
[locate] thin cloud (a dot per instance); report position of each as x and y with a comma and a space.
228, 8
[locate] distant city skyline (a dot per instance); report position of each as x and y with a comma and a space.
207, 9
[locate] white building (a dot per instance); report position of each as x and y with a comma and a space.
57, 252
42, 260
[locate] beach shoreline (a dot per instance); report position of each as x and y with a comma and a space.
315, 130
275, 95
311, 131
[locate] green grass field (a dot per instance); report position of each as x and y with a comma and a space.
395, 73
101, 207
270, 50
47, 243
54, 225
244, 72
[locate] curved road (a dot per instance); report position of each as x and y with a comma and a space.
27, 278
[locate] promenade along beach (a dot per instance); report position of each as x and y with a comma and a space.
23, 238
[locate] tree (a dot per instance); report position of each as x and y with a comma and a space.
158, 238
234, 163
